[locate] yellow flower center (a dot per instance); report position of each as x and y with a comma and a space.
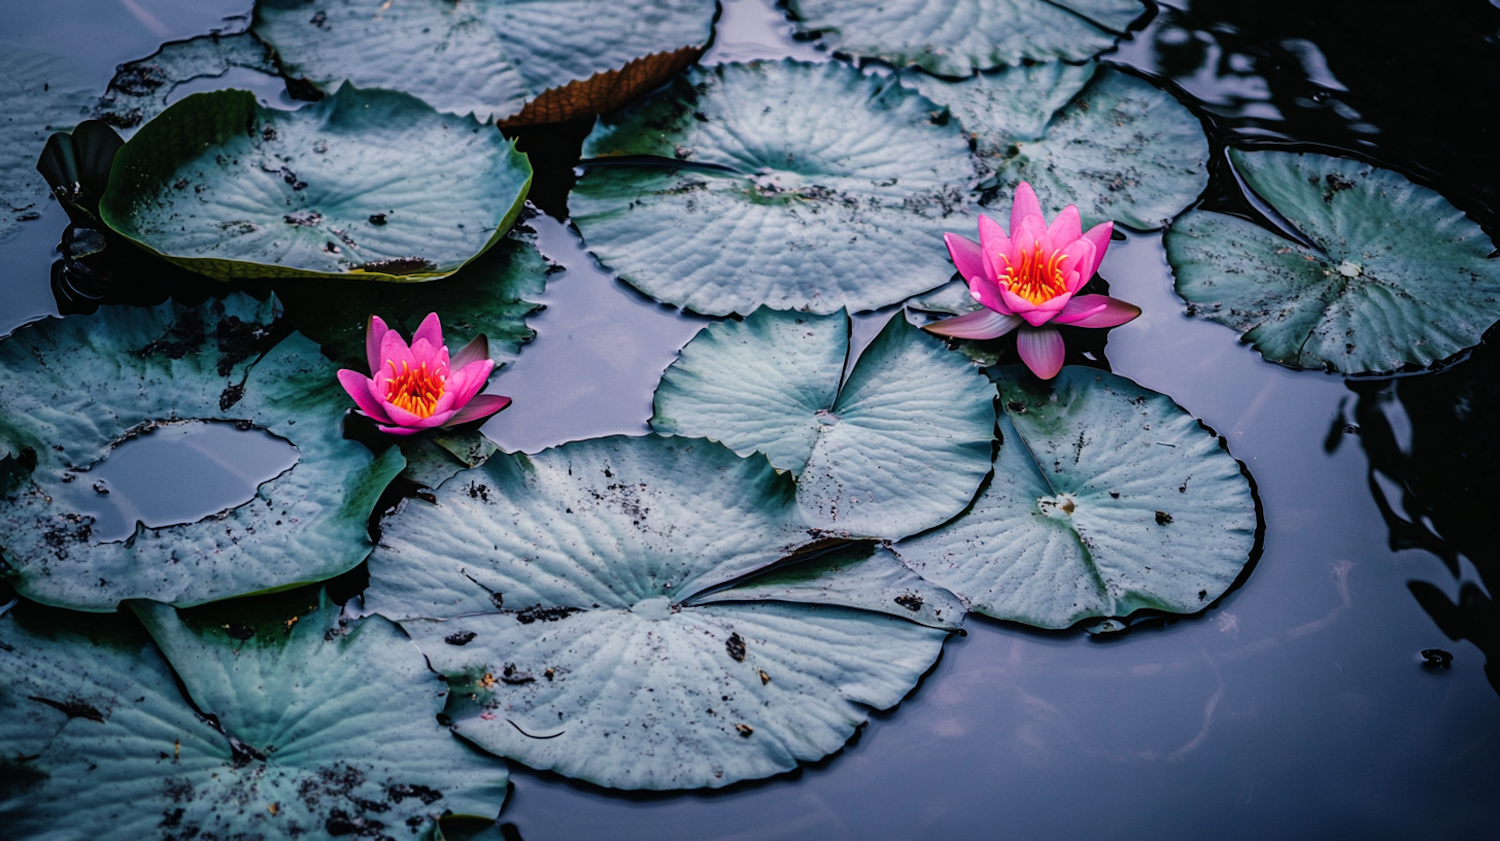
415, 390
1038, 278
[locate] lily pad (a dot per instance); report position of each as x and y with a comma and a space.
282, 755
1389, 275
374, 184
1111, 143
140, 89
957, 37
39, 94
74, 388
601, 665
778, 183
521, 59
898, 447
1108, 498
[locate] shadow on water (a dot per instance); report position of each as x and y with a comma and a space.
1433, 453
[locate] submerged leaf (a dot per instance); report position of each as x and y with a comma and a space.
957, 37
140, 89
1393, 275
784, 184
72, 389
899, 447
516, 61
1107, 498
39, 94
366, 183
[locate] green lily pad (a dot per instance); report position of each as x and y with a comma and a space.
957, 37
602, 664
139, 90
1392, 274
74, 388
898, 447
286, 756
486, 57
374, 184
1111, 143
789, 184
1108, 498
39, 94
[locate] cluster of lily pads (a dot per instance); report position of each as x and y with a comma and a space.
806, 523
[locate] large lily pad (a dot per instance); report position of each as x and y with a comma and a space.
282, 755
601, 664
140, 89
368, 183
1391, 274
788, 184
529, 60
1107, 498
957, 37
71, 389
899, 447
1111, 143
39, 94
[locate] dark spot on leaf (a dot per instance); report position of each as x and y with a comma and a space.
498, 600
72, 708
303, 218
537, 613
377, 218
910, 601
428, 796
230, 396
342, 823
239, 632
735, 645
1436, 658
398, 266
745, 730
1016, 407
460, 638
1202, 594
1162, 518
172, 818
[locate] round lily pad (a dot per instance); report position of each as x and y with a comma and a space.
898, 447
39, 94
499, 59
1108, 498
1111, 143
71, 389
281, 757
373, 184
957, 37
793, 185
1389, 274
601, 662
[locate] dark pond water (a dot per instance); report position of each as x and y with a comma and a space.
1296, 706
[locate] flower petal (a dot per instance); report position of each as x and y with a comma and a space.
360, 387
474, 351
430, 329
979, 324
393, 349
1098, 236
468, 381
403, 418
1097, 311
1078, 256
1024, 205
1042, 350
993, 242
398, 430
480, 407
375, 330
1067, 227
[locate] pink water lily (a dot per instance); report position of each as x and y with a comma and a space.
1028, 280
418, 387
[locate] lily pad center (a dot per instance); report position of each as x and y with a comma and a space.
174, 473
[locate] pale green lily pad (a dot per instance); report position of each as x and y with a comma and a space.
140, 89
373, 184
432, 460
39, 94
662, 696
957, 37
899, 447
290, 758
74, 388
1111, 143
594, 551
1107, 498
486, 57
1395, 276
786, 184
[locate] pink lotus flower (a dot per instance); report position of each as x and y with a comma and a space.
1028, 280
419, 387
